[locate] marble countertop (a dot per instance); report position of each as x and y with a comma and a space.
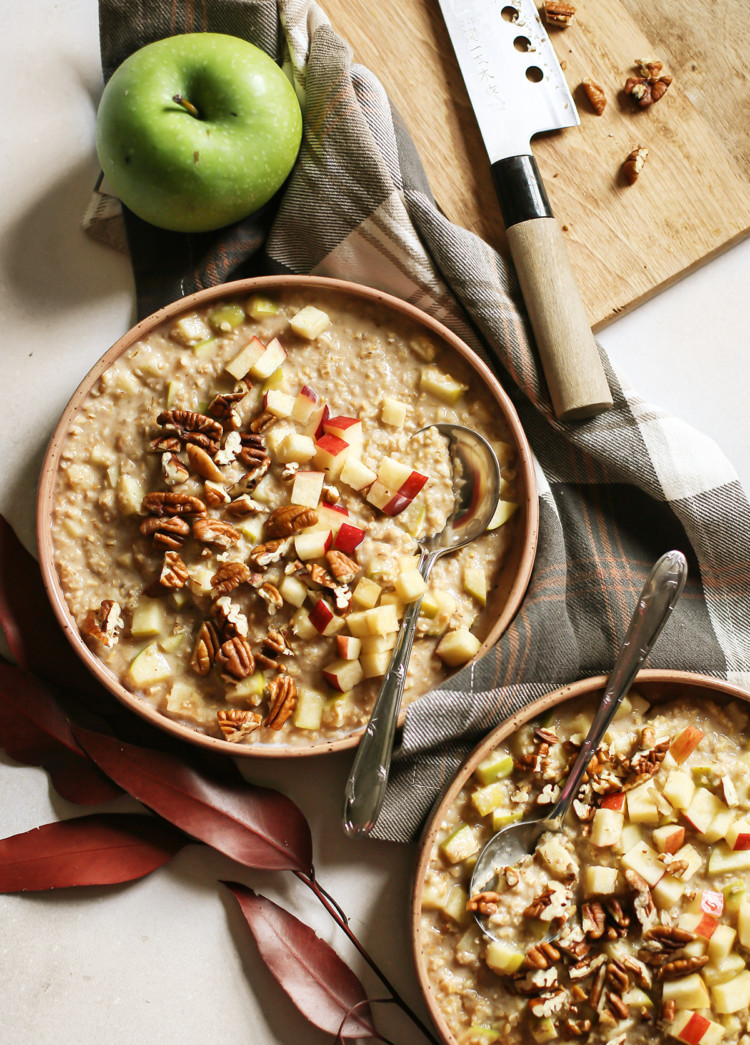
167, 959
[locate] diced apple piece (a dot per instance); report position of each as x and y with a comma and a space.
487, 799
348, 647
668, 891
381, 620
668, 839
689, 992
598, 881
413, 517
461, 843
743, 923
502, 817
226, 317
190, 330
707, 901
324, 620
308, 711
723, 860
148, 620
375, 665
424, 347
307, 488
343, 675
304, 404
504, 957
685, 743
504, 511
347, 428
441, 385
679, 789
738, 835
702, 924
149, 666
734, 896
295, 447
695, 1029
704, 806
310, 322
356, 474
606, 828
393, 412
330, 454
458, 647
726, 969
693, 859
393, 473
130, 494
331, 517
247, 357
379, 643
349, 537
271, 359
732, 996
497, 766
644, 860
366, 593
258, 307
379, 495
313, 544
410, 585
475, 583
542, 1031
293, 591
302, 626
278, 403
642, 807
556, 856
615, 801
721, 943
314, 426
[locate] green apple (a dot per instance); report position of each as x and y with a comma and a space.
197, 131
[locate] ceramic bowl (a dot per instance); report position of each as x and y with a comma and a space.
504, 599
656, 686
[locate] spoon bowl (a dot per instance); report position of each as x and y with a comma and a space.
475, 477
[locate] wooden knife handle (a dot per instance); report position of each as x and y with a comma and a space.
570, 359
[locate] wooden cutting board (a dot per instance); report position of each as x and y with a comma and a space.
692, 199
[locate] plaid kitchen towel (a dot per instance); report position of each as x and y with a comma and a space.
615, 492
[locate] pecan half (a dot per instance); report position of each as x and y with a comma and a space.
206, 647
243, 505
272, 597
342, 567
237, 725
282, 695
617, 1005
263, 421
214, 494
165, 444
224, 408
264, 554
173, 471
169, 532
160, 503
617, 976
593, 920
215, 531
541, 956
201, 463
548, 1004
683, 966
595, 95
486, 903
274, 646
319, 575
104, 623
230, 617
174, 572
192, 427
289, 519
253, 454
229, 576
650, 86
558, 12
235, 659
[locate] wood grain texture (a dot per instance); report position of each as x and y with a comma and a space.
625, 242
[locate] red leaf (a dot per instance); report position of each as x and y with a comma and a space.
102, 849
35, 732
320, 984
256, 826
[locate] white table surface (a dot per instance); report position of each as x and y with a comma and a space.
167, 959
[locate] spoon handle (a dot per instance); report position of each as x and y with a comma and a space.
365, 788
660, 593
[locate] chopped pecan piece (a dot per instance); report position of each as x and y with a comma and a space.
548, 1004
593, 920
585, 968
173, 470
263, 422
669, 1010
641, 972
545, 736
192, 427
485, 903
274, 646
264, 554
230, 575
683, 966
617, 916
617, 976
165, 444
617, 1005
289, 519
595, 95
574, 1028
201, 463
253, 454
597, 989
160, 503
167, 532
649, 86
282, 694
289, 471
206, 647
272, 597
233, 621
243, 505
643, 902
512, 877
237, 725
214, 494
558, 12
215, 531
104, 623
224, 408
330, 493
229, 451
174, 572
319, 575
342, 567
541, 956
235, 659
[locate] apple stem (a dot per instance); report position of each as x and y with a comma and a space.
188, 106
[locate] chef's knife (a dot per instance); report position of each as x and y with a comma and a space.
517, 89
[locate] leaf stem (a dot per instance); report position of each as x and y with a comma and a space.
342, 921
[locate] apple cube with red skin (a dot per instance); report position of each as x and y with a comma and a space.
248, 356
356, 474
401, 478
694, 1029
348, 538
614, 801
324, 620
313, 544
343, 675
347, 428
738, 835
270, 361
668, 839
307, 488
702, 924
332, 517
703, 807
331, 453
685, 743
707, 901
315, 422
348, 647
304, 404
719, 826
389, 502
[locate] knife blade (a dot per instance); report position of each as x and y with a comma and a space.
517, 89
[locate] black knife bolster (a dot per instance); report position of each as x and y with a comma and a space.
519, 189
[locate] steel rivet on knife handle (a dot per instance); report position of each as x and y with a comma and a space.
570, 359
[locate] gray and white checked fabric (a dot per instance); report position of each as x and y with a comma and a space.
615, 492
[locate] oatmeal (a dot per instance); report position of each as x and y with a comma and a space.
644, 890
238, 505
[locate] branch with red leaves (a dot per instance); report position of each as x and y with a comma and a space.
55, 715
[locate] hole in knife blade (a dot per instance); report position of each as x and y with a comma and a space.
522, 43
509, 14
535, 74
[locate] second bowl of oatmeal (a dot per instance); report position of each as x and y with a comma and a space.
647, 890
230, 507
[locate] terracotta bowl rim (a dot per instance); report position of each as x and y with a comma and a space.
529, 513
583, 687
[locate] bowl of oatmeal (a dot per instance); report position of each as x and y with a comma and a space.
630, 926
230, 508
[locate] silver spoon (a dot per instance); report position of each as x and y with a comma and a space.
506, 848
476, 492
